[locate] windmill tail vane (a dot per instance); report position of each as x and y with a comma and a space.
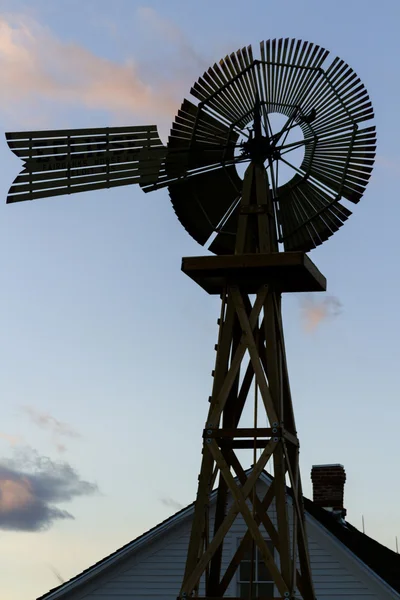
71, 161
301, 175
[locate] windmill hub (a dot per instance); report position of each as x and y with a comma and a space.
259, 149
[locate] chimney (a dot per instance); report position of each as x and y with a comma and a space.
328, 487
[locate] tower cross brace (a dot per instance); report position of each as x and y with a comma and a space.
251, 352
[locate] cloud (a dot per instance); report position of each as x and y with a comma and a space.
57, 429
314, 312
35, 65
30, 488
13, 440
168, 31
171, 503
50, 423
61, 448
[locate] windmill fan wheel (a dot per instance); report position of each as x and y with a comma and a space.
321, 98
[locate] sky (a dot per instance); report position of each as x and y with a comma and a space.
106, 348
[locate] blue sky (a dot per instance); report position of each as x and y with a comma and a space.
106, 348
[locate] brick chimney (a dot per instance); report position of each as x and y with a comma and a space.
328, 487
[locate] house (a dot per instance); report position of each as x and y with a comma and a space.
346, 564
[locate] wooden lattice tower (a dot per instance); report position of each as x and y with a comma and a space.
249, 222
252, 327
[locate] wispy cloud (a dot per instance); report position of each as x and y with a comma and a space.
46, 421
168, 31
171, 503
31, 486
57, 429
13, 440
35, 65
314, 312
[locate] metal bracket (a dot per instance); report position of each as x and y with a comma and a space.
254, 209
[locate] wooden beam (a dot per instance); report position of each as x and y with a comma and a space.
240, 500
239, 554
254, 356
219, 402
194, 576
242, 432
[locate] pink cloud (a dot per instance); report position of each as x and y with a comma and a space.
35, 65
31, 487
316, 312
13, 440
50, 423
15, 495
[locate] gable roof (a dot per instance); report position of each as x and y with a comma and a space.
380, 559
118, 554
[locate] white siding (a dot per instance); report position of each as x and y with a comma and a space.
332, 580
154, 571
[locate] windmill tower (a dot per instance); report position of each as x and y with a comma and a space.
259, 228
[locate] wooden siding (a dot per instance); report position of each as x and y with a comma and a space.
154, 571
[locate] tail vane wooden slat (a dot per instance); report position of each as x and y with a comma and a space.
77, 160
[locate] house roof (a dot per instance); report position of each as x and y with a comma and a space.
380, 559
118, 554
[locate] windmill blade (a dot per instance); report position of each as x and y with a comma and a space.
334, 167
199, 170
308, 215
322, 97
78, 160
202, 204
198, 143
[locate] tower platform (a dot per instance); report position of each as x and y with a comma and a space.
282, 271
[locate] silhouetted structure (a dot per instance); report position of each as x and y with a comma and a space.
248, 223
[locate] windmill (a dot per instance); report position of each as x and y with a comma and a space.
258, 228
